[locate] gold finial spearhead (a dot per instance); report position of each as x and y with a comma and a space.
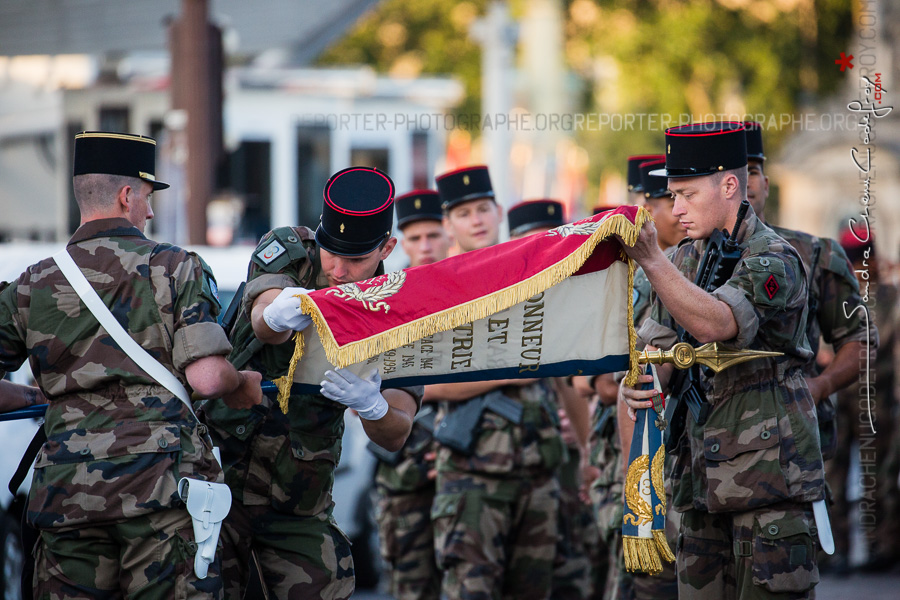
714, 355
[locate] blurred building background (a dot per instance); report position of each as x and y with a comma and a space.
255, 104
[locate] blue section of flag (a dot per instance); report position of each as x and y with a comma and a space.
607, 364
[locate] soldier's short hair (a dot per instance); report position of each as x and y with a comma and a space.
741, 174
97, 191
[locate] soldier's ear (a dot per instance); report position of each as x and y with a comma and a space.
388, 247
124, 198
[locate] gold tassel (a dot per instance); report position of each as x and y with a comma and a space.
641, 555
662, 545
480, 308
285, 382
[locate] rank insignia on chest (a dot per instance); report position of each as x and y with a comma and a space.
771, 286
271, 252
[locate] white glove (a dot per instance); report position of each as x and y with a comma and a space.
362, 395
284, 312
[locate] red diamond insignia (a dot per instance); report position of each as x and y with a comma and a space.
771, 286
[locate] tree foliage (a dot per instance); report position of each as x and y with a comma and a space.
697, 58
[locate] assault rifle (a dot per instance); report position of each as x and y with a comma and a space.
460, 428
718, 263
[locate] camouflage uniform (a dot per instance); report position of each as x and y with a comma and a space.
878, 452
404, 519
606, 498
494, 512
104, 490
577, 544
280, 467
745, 479
832, 286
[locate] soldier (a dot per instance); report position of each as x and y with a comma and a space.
104, 493
280, 467
405, 491
495, 534
746, 478
419, 218
573, 576
832, 287
635, 186
879, 459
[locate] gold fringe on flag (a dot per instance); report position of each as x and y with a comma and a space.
474, 310
662, 545
285, 382
640, 555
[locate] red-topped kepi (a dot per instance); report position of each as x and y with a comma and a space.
754, 140
418, 205
634, 170
703, 149
654, 186
464, 185
532, 214
357, 211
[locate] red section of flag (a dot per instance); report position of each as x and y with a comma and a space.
358, 311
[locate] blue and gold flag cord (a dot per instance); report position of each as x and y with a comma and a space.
643, 530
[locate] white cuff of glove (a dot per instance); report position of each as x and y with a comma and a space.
283, 314
378, 410
362, 394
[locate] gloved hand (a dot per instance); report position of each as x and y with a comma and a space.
362, 395
284, 312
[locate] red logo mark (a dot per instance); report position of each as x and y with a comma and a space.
845, 61
771, 286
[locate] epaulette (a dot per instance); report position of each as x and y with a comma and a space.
838, 262
279, 248
761, 243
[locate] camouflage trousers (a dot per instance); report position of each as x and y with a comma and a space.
577, 546
145, 558
607, 505
496, 537
407, 545
765, 553
878, 470
299, 557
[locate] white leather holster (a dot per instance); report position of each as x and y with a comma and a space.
208, 504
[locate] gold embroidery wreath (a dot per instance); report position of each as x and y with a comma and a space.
373, 297
656, 476
633, 498
575, 229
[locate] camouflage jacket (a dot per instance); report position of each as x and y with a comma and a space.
505, 452
760, 444
832, 285
410, 474
640, 296
286, 461
117, 441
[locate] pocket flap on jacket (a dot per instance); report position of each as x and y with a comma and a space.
755, 433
